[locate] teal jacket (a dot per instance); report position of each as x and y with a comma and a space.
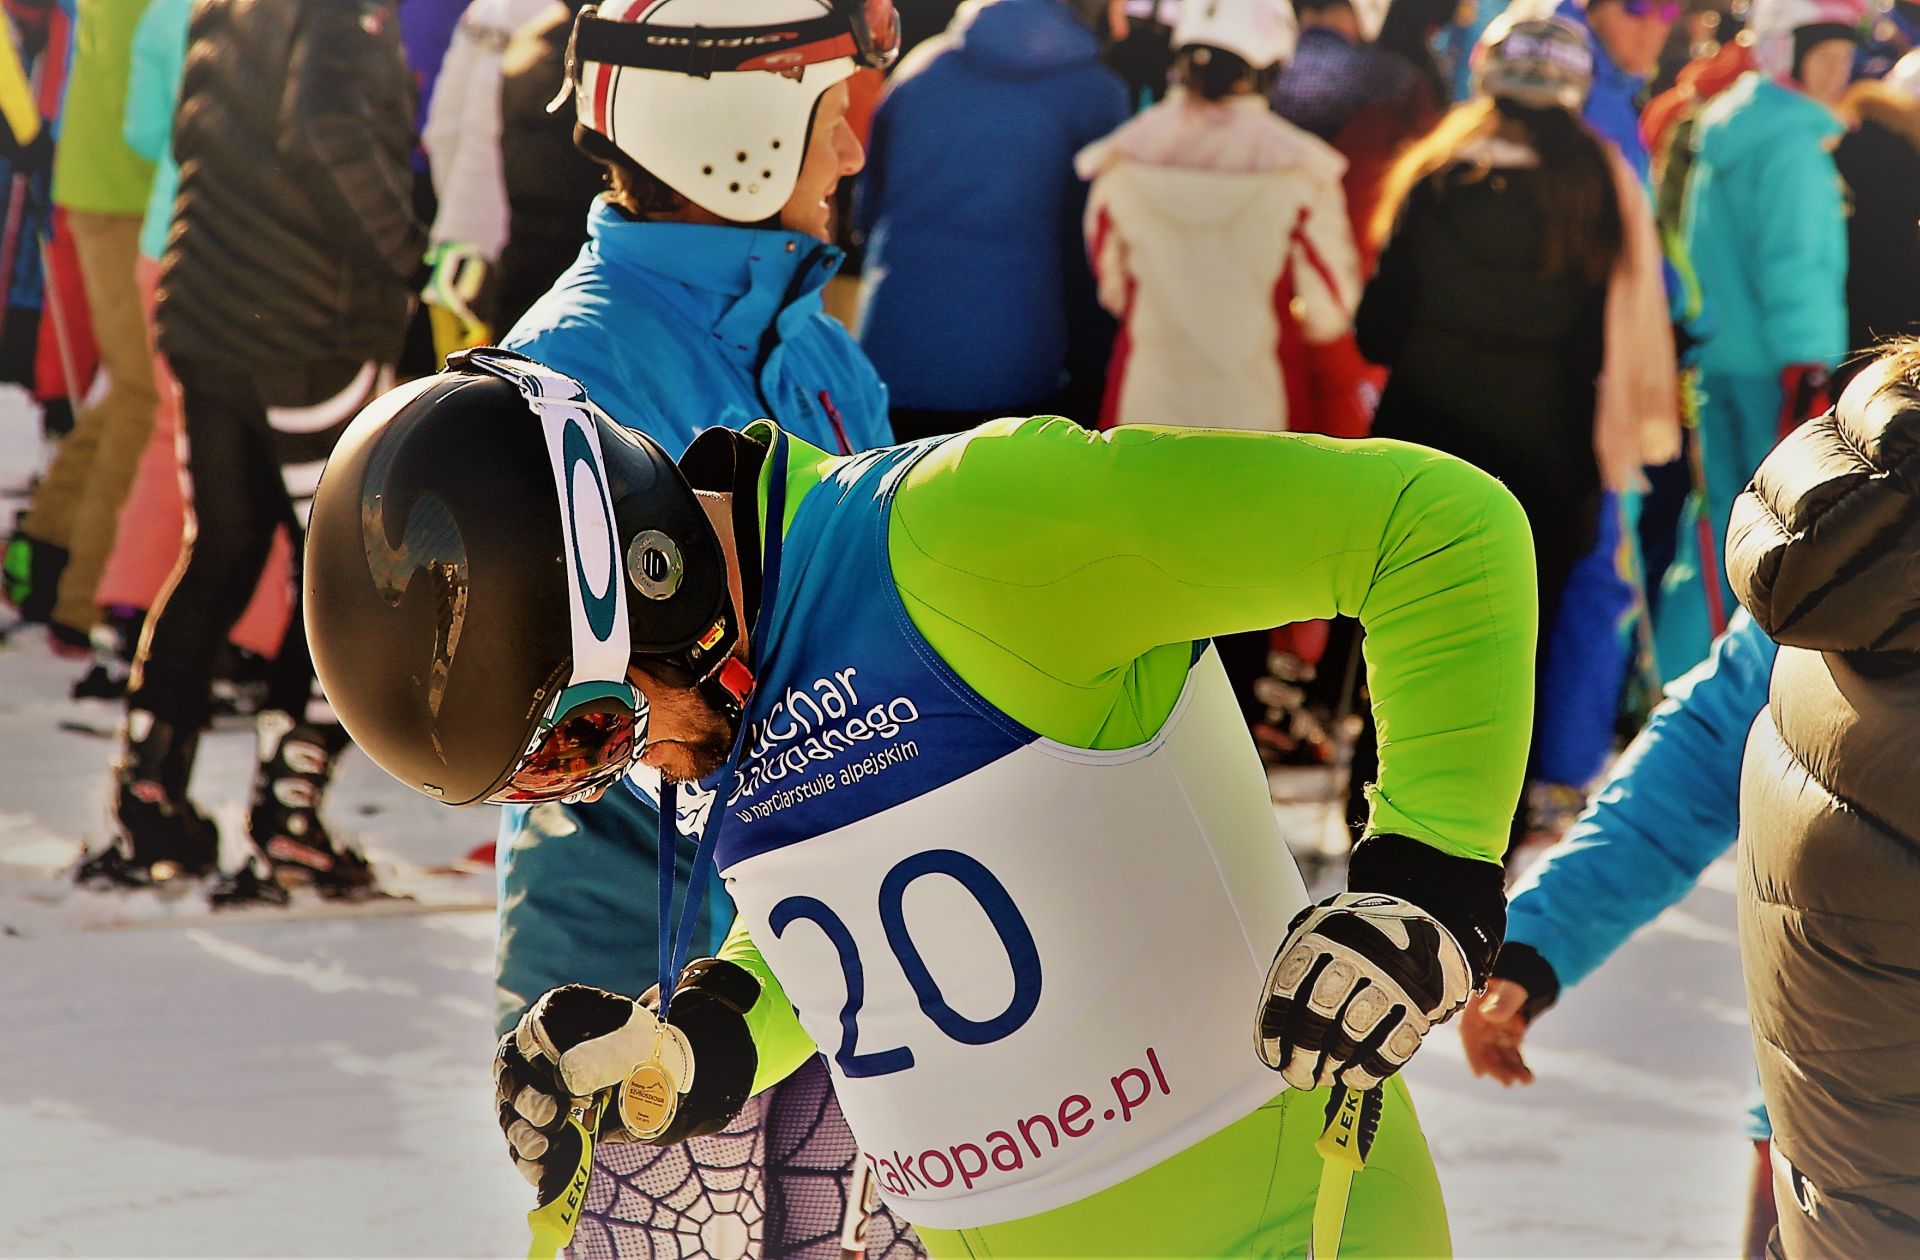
674, 327
153, 90
1671, 806
94, 171
1766, 226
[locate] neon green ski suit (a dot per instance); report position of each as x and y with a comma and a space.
1065, 576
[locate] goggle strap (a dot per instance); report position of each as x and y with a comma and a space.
601, 637
703, 51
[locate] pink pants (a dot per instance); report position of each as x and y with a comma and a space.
154, 519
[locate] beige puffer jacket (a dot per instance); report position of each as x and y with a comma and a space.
1824, 550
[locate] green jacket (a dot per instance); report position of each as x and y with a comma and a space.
1064, 577
95, 170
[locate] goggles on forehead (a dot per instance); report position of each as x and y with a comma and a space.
866, 30
1521, 46
592, 730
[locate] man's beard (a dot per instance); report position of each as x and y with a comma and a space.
699, 757
707, 756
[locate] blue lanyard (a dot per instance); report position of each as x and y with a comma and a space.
676, 935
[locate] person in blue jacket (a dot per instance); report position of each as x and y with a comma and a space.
1670, 808
979, 299
1765, 225
696, 302
1625, 37
1588, 647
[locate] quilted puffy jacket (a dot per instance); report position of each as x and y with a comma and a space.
294, 239
1821, 549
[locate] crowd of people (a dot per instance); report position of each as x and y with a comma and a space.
1619, 256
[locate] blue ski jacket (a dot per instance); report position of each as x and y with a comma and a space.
1670, 808
673, 328
678, 327
1613, 108
1765, 224
979, 296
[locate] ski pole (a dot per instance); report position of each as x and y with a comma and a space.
552, 1223
18, 191
62, 333
1353, 1118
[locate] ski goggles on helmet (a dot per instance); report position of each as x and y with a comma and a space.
587, 741
866, 30
591, 732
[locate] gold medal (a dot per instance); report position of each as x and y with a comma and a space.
648, 1100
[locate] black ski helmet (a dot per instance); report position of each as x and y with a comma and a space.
482, 541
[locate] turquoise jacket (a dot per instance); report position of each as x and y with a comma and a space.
1671, 806
153, 90
673, 328
1765, 224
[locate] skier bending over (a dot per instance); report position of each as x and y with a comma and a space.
1000, 845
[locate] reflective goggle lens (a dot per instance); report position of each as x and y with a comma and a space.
877, 30
590, 744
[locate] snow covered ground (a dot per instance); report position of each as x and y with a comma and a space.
219, 1088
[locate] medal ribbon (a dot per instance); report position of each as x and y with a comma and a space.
676, 936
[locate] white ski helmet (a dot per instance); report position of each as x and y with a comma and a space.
1771, 25
1261, 33
715, 98
1542, 63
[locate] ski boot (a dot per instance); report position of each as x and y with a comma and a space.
160, 838
251, 885
240, 684
296, 763
107, 673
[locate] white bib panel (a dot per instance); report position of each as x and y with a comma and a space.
1154, 887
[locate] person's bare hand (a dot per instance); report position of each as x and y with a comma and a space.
1117, 25
1492, 1028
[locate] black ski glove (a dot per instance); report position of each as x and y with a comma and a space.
1362, 977
581, 1046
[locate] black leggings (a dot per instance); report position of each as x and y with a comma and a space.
238, 498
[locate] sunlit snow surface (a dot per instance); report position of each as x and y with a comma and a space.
219, 1088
